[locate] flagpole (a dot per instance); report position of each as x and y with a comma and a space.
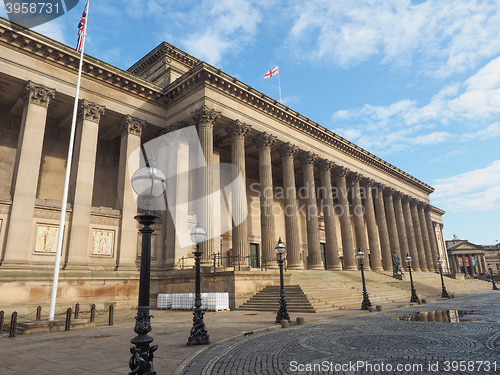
64, 204
279, 84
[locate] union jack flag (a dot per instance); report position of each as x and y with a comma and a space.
81, 29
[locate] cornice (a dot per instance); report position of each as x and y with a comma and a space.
206, 74
41, 47
163, 50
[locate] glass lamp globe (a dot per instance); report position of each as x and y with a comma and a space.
408, 259
280, 247
490, 267
198, 234
360, 254
439, 261
149, 182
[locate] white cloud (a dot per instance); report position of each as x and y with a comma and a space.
490, 132
446, 37
474, 190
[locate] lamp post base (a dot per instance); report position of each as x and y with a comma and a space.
199, 335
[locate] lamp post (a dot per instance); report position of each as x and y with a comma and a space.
490, 267
198, 335
444, 293
414, 297
366, 301
149, 183
283, 311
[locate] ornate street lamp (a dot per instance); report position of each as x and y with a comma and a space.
366, 301
199, 335
490, 267
444, 293
414, 297
149, 183
283, 311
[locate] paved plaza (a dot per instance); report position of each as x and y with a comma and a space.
246, 342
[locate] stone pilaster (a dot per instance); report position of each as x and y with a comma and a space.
418, 235
410, 233
400, 222
432, 234
26, 170
331, 248
383, 231
371, 226
131, 131
431, 267
358, 213
82, 182
205, 119
313, 245
238, 131
287, 152
348, 250
264, 142
392, 223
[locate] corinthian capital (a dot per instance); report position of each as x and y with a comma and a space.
205, 117
325, 165
308, 158
353, 177
264, 140
91, 111
37, 94
340, 172
287, 149
237, 129
132, 125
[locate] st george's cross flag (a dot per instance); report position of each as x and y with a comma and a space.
81, 29
271, 73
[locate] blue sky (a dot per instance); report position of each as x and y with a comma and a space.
417, 83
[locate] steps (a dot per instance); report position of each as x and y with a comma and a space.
318, 291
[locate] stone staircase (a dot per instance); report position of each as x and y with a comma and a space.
318, 291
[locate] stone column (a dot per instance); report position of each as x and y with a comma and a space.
238, 131
371, 225
400, 222
392, 224
25, 176
383, 231
410, 233
418, 234
82, 182
331, 248
345, 221
432, 234
264, 142
313, 245
358, 213
431, 267
131, 130
205, 119
287, 152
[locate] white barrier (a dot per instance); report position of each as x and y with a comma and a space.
209, 301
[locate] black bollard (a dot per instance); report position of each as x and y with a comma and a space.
67, 324
92, 313
111, 311
2, 318
38, 313
13, 325
77, 310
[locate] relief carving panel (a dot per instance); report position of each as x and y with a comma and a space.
46, 238
103, 242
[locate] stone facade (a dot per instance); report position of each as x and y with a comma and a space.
324, 196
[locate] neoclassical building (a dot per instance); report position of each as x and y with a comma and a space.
323, 195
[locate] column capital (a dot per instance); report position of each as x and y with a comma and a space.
91, 111
325, 165
308, 158
353, 177
237, 129
171, 128
205, 117
367, 182
264, 140
398, 195
37, 94
388, 191
339, 171
170, 133
405, 198
427, 208
132, 125
287, 149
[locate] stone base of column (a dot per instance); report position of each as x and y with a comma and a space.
336, 268
76, 267
295, 267
351, 268
317, 267
16, 265
377, 269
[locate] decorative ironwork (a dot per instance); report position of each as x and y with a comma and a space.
283, 311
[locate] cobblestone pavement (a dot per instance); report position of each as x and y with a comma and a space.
376, 343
